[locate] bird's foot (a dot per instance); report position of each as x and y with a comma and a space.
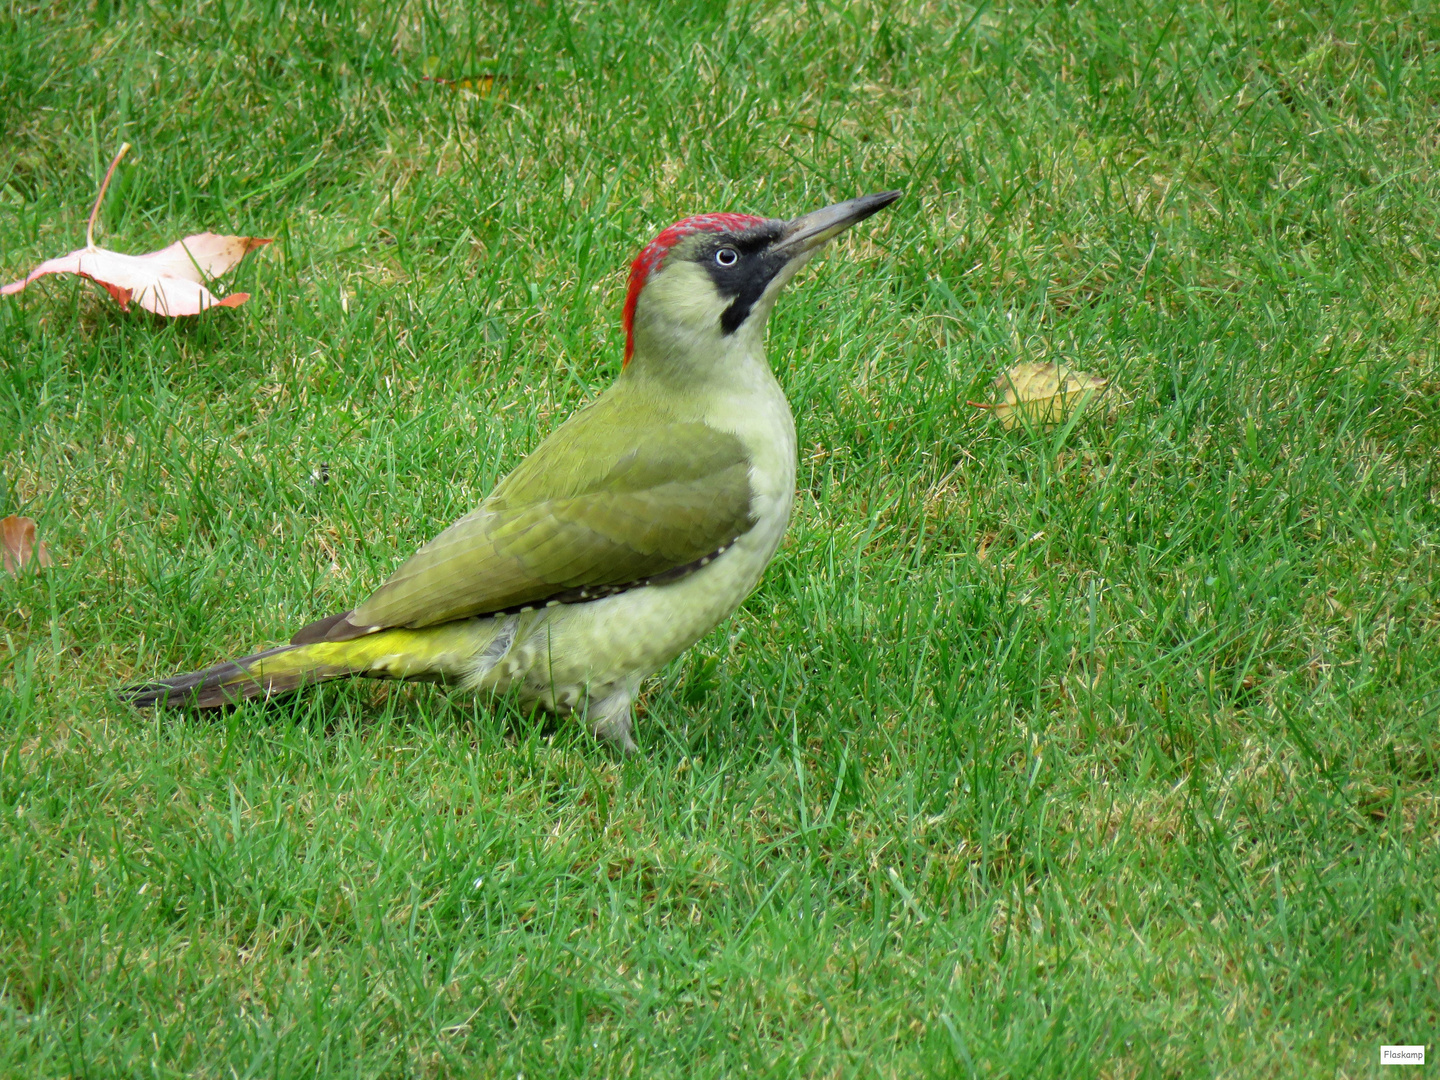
611, 720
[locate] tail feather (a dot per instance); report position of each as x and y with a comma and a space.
264, 674
457, 651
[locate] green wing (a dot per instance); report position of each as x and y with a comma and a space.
579, 517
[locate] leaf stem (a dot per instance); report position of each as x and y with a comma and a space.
95, 210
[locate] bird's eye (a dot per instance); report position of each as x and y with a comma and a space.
726, 257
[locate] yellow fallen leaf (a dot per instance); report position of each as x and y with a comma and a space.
18, 547
1042, 394
481, 84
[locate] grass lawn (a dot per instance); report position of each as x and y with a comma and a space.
1104, 752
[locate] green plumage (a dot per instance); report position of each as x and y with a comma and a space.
393, 654
585, 510
628, 534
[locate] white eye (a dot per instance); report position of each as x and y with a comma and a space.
726, 257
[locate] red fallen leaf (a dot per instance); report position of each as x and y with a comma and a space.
18, 546
168, 282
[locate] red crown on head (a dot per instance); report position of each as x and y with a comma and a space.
655, 252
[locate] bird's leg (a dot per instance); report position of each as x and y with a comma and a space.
610, 719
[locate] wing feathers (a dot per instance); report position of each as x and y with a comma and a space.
574, 516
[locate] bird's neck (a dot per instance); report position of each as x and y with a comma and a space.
697, 372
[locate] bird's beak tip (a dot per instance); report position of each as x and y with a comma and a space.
808, 232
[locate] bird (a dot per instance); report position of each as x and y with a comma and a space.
631, 531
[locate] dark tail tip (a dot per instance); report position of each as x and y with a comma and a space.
147, 694
211, 688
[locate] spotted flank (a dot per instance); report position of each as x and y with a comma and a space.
600, 592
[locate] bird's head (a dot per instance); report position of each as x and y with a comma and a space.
705, 285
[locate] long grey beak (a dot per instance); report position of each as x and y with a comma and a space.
807, 233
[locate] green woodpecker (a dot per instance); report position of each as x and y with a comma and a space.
630, 532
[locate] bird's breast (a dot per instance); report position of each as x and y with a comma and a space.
630, 635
